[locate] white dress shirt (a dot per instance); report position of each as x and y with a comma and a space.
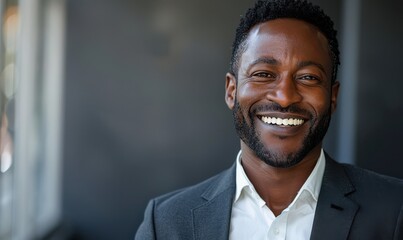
252, 219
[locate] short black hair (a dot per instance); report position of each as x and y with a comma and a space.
265, 10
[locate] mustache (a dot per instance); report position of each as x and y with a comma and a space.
275, 107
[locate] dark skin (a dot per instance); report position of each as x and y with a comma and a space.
286, 61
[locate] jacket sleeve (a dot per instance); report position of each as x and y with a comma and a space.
146, 230
399, 226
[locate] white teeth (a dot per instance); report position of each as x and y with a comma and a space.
282, 121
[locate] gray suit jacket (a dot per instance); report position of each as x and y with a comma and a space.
353, 204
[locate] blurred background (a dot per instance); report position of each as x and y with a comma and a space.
105, 104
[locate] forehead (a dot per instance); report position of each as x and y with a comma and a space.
286, 39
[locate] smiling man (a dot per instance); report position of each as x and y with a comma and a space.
282, 90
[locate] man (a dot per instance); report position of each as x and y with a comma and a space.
282, 90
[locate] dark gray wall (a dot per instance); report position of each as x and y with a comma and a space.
145, 111
380, 98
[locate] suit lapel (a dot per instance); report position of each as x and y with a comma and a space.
335, 212
211, 220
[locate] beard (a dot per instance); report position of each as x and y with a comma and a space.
249, 135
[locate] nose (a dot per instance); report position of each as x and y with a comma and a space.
284, 92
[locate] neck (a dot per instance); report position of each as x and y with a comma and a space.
278, 186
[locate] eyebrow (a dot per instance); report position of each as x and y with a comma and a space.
311, 63
266, 60
275, 62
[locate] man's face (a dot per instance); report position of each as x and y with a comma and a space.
283, 98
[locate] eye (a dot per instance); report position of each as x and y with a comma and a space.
263, 75
309, 79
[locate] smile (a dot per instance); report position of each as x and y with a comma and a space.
282, 121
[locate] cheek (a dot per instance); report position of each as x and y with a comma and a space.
248, 94
319, 100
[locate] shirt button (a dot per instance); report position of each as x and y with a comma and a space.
276, 231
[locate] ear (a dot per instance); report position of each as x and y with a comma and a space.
230, 90
335, 93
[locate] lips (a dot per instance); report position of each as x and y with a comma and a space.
281, 124
282, 121
275, 115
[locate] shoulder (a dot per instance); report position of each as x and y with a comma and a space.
372, 189
372, 180
192, 196
379, 200
372, 201
170, 216
342, 174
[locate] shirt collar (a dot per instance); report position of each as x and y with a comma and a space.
312, 185
242, 181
